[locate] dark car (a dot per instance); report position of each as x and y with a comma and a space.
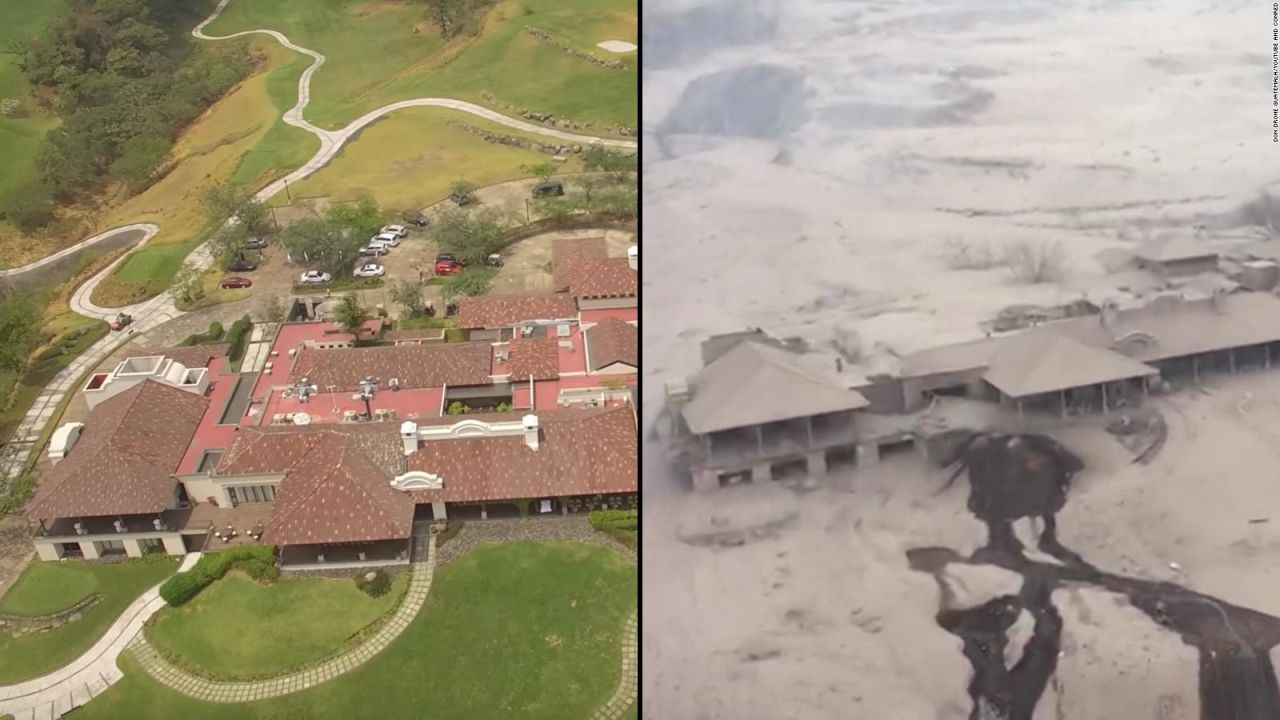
416, 219
449, 258
236, 282
463, 199
242, 265
548, 189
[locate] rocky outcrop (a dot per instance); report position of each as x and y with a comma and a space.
551, 120
22, 625
550, 39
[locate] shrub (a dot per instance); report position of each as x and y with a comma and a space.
615, 519
374, 584
257, 561
213, 334
1035, 262
238, 337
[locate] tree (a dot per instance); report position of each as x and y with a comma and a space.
323, 244
363, 217
227, 243
187, 283
350, 314
471, 282
224, 200
274, 311
409, 294
543, 170
30, 206
138, 160
19, 321
1263, 212
450, 15
472, 236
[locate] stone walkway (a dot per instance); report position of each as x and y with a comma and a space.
625, 696
89, 675
234, 692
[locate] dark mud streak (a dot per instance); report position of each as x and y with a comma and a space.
1028, 475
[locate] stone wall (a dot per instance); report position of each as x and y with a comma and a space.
550, 39
21, 625
348, 573
551, 120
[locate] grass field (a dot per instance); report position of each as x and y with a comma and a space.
410, 158
278, 627
527, 631
119, 584
46, 588
383, 51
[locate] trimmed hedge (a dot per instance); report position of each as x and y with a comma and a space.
257, 561
238, 337
615, 519
213, 334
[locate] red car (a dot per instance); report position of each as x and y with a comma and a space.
236, 282
448, 267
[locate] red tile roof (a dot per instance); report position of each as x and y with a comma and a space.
595, 278
498, 311
125, 457
581, 452
566, 250
539, 357
612, 341
415, 366
336, 486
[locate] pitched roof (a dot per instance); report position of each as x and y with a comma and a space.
755, 383
494, 311
1036, 364
415, 366
565, 250
581, 452
612, 341
336, 486
1171, 248
600, 278
539, 357
125, 457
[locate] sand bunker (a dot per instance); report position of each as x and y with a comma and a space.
617, 46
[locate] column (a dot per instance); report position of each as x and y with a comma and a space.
484, 512
705, 480
762, 473
174, 545
90, 549
564, 506
438, 510
817, 464
1104, 399
132, 547
868, 453
49, 550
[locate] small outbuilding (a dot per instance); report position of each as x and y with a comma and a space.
1177, 255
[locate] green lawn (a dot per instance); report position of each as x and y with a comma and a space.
284, 148
46, 588
277, 627
527, 631
20, 136
29, 656
381, 52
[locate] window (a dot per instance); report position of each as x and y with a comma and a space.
244, 494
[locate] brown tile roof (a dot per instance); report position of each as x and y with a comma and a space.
606, 278
415, 366
336, 485
581, 452
1036, 364
566, 250
197, 356
539, 357
496, 311
612, 341
123, 462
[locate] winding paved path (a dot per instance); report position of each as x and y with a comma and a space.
89, 675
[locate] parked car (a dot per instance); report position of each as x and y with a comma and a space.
416, 218
548, 189
370, 270
463, 200
232, 282
242, 265
372, 250
386, 238
494, 260
444, 267
121, 321
397, 230
449, 258
314, 277
255, 243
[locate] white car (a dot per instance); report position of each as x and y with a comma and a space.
386, 238
314, 277
374, 250
397, 230
370, 270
